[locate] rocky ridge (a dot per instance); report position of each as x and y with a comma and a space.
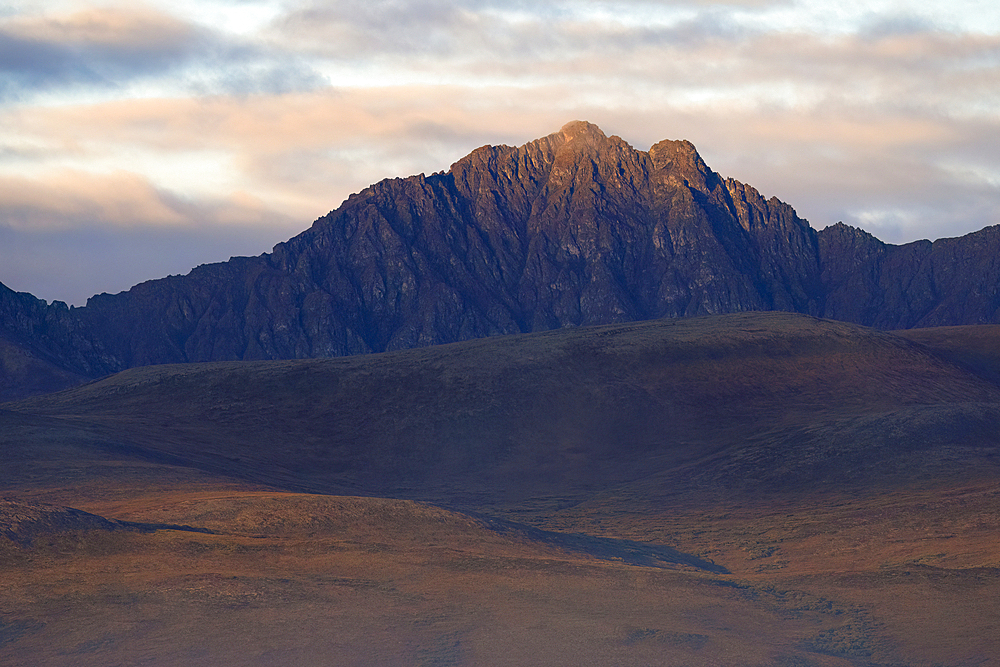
576, 228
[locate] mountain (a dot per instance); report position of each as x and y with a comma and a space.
573, 229
45, 347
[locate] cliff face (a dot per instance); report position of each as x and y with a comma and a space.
572, 229
45, 347
921, 284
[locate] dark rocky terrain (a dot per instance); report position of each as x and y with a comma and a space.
573, 229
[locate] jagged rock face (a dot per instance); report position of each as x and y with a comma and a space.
920, 284
575, 228
46, 345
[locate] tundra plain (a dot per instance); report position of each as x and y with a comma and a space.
748, 489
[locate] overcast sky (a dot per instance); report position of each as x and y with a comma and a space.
140, 139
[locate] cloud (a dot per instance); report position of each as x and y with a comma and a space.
68, 199
114, 47
99, 46
686, 53
136, 30
303, 154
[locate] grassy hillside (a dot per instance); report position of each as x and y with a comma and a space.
753, 489
975, 348
763, 401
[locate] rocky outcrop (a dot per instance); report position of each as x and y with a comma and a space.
572, 229
920, 284
46, 347
23, 522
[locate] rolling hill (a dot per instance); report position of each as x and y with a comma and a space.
564, 412
746, 489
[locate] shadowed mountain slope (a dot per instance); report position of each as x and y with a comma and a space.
576, 228
976, 348
753, 402
921, 284
44, 348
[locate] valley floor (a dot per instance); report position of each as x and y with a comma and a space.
209, 571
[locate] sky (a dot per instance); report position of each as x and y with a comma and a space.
139, 139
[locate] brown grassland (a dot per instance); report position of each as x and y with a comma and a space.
753, 489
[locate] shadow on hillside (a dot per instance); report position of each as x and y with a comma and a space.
644, 554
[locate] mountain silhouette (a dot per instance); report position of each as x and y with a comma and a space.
576, 228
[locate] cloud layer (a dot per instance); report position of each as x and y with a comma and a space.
253, 117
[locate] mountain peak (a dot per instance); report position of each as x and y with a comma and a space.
581, 129
680, 154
